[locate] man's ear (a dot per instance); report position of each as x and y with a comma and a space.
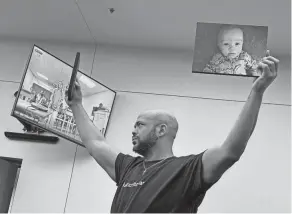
162, 130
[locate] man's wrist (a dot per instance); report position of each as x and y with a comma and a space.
257, 92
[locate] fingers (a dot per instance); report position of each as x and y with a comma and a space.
271, 64
268, 69
273, 59
264, 68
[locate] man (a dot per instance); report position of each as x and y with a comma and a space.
158, 181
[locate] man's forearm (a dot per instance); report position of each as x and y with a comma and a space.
236, 141
86, 128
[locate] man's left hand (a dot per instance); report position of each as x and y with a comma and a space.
269, 70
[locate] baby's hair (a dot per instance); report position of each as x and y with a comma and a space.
226, 27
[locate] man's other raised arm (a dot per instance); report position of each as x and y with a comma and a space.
104, 154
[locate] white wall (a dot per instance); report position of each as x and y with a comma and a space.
260, 182
28, 81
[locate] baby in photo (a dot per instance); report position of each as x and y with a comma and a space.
232, 59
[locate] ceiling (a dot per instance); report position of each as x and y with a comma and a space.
142, 23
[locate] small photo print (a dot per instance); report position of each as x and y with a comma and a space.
229, 49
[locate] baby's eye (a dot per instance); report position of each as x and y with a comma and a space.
226, 44
237, 43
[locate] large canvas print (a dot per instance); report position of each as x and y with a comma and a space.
229, 49
41, 98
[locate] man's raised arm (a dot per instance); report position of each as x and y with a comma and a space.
104, 154
217, 160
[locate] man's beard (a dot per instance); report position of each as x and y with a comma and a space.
144, 146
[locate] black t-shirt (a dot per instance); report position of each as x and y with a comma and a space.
174, 185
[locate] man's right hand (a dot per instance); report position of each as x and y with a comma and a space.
76, 95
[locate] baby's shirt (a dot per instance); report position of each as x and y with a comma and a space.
242, 65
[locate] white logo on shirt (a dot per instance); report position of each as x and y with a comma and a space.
133, 184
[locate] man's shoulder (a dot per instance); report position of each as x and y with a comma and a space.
190, 157
127, 157
181, 158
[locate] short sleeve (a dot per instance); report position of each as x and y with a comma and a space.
122, 165
194, 172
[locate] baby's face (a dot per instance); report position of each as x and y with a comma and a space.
230, 42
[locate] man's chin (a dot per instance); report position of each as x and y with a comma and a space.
139, 150
136, 148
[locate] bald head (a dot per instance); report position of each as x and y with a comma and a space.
162, 117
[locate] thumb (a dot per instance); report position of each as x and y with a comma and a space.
268, 53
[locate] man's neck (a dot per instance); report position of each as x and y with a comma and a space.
158, 156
